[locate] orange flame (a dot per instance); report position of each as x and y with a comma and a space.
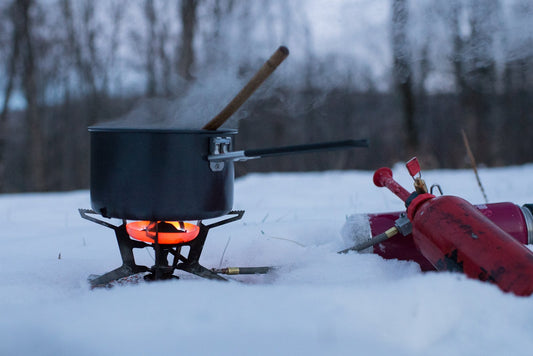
142, 231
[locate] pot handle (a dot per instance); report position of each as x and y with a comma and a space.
313, 147
277, 151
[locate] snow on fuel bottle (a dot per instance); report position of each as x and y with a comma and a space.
454, 235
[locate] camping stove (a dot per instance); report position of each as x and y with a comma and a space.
166, 238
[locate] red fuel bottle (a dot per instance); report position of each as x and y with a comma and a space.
515, 220
453, 235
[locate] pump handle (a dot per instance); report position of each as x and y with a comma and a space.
383, 178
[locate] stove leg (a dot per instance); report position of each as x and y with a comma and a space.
118, 273
197, 245
125, 245
129, 267
192, 264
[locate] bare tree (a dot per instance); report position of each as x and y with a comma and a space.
117, 16
186, 49
479, 76
518, 83
11, 69
151, 19
402, 72
165, 61
11, 73
24, 22
458, 45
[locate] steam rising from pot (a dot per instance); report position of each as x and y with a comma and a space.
201, 102
158, 112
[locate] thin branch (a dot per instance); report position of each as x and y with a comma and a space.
474, 166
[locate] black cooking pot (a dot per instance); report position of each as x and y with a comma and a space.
171, 174
158, 174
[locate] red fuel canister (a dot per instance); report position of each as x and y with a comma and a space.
454, 235
515, 220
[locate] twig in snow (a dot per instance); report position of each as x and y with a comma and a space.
224, 252
474, 166
284, 239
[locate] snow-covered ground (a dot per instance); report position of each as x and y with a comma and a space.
316, 303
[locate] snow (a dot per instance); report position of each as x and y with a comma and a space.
316, 302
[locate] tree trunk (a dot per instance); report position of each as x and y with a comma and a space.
11, 72
36, 166
479, 77
402, 72
188, 22
151, 82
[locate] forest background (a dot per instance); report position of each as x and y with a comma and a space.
409, 75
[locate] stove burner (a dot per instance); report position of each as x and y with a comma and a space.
166, 232
167, 239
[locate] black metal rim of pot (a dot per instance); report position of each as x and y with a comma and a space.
162, 130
